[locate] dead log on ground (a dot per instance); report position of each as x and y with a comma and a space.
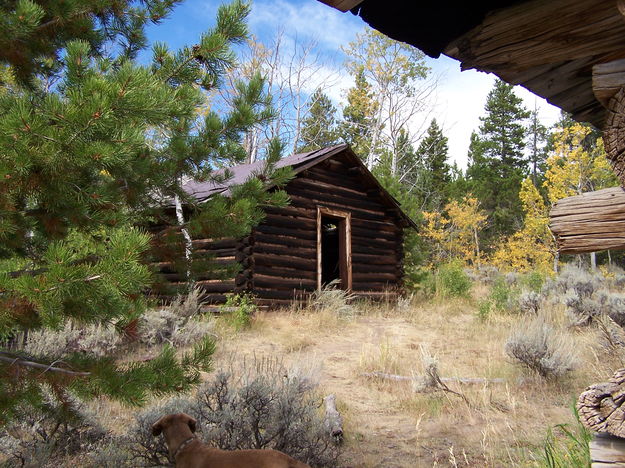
462, 380
601, 406
333, 419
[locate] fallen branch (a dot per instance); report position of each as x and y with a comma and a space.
462, 380
333, 419
17, 361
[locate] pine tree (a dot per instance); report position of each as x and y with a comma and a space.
433, 152
319, 128
35, 33
537, 137
85, 161
358, 116
497, 163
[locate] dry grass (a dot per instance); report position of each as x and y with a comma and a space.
386, 423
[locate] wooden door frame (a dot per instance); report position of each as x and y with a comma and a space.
345, 244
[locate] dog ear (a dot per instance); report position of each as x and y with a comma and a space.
192, 424
157, 428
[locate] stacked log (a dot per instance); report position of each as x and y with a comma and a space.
213, 267
277, 263
590, 222
285, 249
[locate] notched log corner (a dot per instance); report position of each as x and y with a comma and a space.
601, 406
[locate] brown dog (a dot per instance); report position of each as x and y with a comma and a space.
189, 452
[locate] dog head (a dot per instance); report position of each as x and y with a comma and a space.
180, 421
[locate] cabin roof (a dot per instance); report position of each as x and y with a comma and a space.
546, 46
240, 173
202, 191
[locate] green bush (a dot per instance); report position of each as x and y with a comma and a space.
238, 310
483, 310
450, 280
534, 281
502, 295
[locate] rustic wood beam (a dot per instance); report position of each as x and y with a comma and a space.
590, 222
601, 406
614, 132
607, 79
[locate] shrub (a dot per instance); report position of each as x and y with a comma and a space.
96, 339
238, 310
530, 301
266, 407
450, 280
540, 347
61, 426
503, 294
534, 281
188, 305
164, 325
483, 310
334, 299
141, 447
157, 326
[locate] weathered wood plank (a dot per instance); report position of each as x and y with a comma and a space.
279, 272
590, 222
313, 202
374, 259
607, 450
288, 241
283, 231
277, 249
278, 283
286, 261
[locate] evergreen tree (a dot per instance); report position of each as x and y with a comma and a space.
358, 116
319, 128
86, 160
433, 152
35, 33
537, 137
497, 163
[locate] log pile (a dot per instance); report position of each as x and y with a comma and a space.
590, 222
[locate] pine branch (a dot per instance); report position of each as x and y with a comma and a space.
17, 361
88, 260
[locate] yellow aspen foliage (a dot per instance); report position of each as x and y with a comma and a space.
575, 167
531, 248
455, 235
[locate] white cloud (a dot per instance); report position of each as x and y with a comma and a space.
305, 20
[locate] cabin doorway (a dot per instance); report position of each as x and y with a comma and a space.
334, 256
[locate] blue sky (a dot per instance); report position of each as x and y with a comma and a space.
460, 96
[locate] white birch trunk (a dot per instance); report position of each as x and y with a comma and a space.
188, 244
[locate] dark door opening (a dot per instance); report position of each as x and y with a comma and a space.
330, 257
334, 248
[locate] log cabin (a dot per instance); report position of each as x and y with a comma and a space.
341, 225
572, 53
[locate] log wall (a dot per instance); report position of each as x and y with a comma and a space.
277, 263
218, 266
285, 244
